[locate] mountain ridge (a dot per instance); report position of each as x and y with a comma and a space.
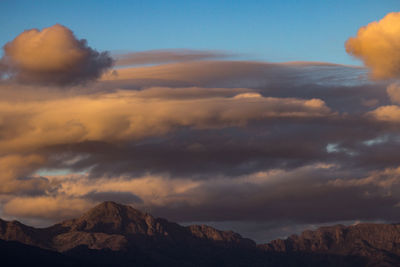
381, 242
127, 235
109, 225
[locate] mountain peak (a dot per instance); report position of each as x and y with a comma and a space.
112, 212
110, 207
109, 204
109, 217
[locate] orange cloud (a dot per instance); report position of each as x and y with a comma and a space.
31, 127
130, 115
46, 207
393, 91
15, 171
389, 113
378, 46
53, 55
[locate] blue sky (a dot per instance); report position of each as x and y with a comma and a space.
261, 30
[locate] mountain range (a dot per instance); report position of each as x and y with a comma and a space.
112, 234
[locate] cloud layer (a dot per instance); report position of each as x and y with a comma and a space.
52, 56
230, 142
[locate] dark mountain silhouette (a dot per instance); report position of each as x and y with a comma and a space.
18, 254
111, 234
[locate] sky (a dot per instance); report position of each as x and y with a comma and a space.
262, 117
276, 31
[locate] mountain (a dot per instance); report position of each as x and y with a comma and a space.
112, 234
117, 234
379, 243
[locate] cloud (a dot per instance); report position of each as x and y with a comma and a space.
57, 132
296, 196
343, 88
390, 113
206, 141
191, 92
378, 46
52, 56
393, 91
15, 175
194, 132
387, 179
166, 56
46, 207
237, 73
308, 194
117, 196
126, 116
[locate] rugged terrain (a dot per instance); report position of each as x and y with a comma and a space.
119, 235
379, 243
